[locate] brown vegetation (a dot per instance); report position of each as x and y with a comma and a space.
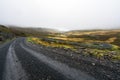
98, 44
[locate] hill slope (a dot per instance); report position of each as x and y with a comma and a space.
5, 33
18, 31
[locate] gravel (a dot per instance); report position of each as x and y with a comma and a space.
101, 70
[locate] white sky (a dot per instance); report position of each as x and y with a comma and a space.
61, 14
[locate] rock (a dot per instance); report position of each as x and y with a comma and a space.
93, 64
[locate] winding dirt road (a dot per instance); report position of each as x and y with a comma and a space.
20, 62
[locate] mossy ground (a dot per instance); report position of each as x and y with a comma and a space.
101, 45
50, 43
90, 49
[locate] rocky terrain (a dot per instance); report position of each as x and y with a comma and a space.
100, 69
44, 54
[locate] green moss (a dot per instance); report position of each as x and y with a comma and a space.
94, 49
116, 57
50, 43
115, 47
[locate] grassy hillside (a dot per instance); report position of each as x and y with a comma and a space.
100, 44
12, 31
5, 33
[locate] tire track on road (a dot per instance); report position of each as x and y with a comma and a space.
70, 73
3, 53
36, 69
13, 69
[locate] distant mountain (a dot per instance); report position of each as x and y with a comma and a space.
72, 32
20, 31
29, 29
91, 33
15, 31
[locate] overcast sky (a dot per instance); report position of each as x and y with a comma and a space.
61, 14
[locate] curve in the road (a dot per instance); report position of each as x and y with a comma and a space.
64, 69
13, 69
23, 63
3, 53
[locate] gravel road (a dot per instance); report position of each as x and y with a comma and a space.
20, 62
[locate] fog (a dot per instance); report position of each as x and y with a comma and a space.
61, 14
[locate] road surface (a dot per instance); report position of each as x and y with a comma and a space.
20, 62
